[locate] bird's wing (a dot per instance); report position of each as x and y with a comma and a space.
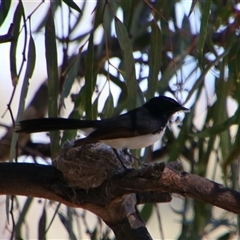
131, 124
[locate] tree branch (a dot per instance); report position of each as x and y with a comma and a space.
110, 183
91, 177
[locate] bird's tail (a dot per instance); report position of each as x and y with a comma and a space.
53, 124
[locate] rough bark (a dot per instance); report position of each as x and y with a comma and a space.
115, 191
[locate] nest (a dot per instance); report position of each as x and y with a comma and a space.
90, 165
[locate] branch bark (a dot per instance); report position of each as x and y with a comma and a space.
114, 192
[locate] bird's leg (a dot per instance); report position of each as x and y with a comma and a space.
128, 153
119, 158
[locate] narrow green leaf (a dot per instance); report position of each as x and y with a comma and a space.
186, 27
203, 30
22, 217
108, 106
4, 9
222, 92
218, 128
73, 5
70, 77
95, 108
127, 12
63, 219
155, 59
67, 224
19, 12
89, 78
146, 212
31, 58
194, 2
234, 71
128, 63
138, 22
179, 143
53, 217
52, 71
70, 224
42, 225
201, 78
7, 207
77, 113
55, 5
234, 59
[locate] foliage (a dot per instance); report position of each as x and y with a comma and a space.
140, 49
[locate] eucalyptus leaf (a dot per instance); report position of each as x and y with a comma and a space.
128, 63
52, 71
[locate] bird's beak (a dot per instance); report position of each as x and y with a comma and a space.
185, 109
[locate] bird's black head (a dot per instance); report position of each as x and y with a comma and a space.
164, 106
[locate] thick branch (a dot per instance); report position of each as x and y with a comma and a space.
47, 182
107, 189
31, 180
154, 178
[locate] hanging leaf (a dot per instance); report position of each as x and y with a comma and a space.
89, 78
73, 5
19, 12
31, 58
108, 106
194, 2
218, 128
42, 224
128, 63
155, 59
52, 71
70, 77
4, 9
203, 30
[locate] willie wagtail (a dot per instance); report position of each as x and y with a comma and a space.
138, 128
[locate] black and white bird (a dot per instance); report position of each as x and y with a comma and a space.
138, 128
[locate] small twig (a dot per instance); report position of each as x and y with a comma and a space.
9, 36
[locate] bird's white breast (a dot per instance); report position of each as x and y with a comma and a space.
134, 142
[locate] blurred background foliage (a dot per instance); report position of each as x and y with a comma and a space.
134, 50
